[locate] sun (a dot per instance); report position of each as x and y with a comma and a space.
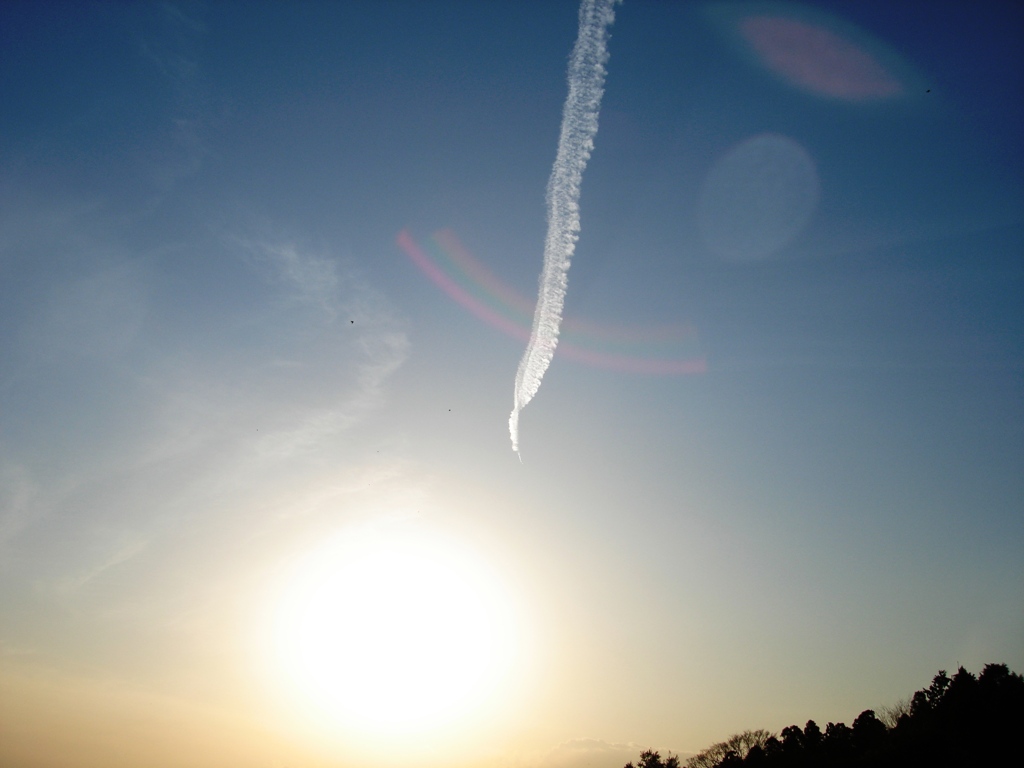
390, 631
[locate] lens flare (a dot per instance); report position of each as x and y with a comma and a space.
817, 59
668, 349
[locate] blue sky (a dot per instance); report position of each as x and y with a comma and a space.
215, 355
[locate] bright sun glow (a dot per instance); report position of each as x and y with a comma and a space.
394, 632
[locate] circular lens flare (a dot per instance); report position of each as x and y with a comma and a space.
757, 198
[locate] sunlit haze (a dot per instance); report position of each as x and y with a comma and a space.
393, 632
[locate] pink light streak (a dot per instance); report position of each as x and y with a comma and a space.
455, 291
518, 304
818, 59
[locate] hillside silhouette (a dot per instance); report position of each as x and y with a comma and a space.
956, 721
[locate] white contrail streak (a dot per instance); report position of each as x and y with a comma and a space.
575, 143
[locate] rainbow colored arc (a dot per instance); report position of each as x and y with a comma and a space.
649, 350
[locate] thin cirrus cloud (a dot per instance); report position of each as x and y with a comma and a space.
342, 312
128, 418
173, 47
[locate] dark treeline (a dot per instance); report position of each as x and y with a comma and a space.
956, 721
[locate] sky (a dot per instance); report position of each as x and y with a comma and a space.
267, 271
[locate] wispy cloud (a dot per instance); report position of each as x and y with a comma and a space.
121, 554
97, 315
313, 282
121, 453
18, 497
172, 47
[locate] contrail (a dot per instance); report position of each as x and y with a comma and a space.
575, 143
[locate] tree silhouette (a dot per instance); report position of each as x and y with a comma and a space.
956, 721
650, 759
737, 746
